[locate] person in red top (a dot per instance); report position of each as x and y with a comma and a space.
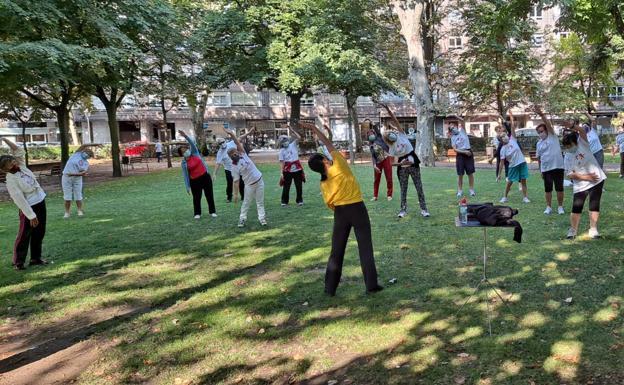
196, 176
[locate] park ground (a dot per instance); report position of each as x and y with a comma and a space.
140, 293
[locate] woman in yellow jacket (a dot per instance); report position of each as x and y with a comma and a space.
341, 193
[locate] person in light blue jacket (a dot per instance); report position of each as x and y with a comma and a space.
196, 176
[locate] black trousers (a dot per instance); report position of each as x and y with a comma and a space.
159, 156
230, 184
345, 217
289, 177
29, 236
199, 185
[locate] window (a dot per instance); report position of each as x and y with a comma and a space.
245, 99
307, 101
536, 12
364, 101
277, 99
218, 99
538, 40
564, 35
336, 100
455, 42
453, 98
38, 138
617, 93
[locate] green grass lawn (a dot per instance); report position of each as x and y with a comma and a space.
214, 304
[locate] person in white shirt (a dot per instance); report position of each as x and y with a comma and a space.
244, 168
464, 161
518, 169
75, 169
588, 179
407, 163
224, 160
158, 149
550, 161
29, 197
291, 168
619, 147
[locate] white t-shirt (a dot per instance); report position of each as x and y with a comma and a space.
619, 140
460, 141
583, 162
245, 169
594, 141
158, 147
222, 155
401, 147
290, 153
76, 164
511, 151
549, 153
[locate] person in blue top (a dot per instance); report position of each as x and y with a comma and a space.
196, 177
75, 169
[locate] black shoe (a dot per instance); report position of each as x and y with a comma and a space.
375, 290
19, 267
38, 262
330, 294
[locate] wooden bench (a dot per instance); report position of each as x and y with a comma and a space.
55, 170
132, 160
451, 153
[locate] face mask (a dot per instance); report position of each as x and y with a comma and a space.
372, 138
543, 135
505, 139
571, 150
454, 131
235, 158
187, 153
14, 169
284, 144
392, 137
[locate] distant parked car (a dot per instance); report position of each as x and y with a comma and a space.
521, 132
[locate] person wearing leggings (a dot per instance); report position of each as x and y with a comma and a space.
619, 147
551, 165
196, 176
382, 163
341, 192
587, 177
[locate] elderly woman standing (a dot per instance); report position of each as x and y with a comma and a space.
196, 176
29, 197
291, 167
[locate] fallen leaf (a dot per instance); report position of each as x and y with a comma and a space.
261, 331
283, 290
460, 380
393, 280
175, 321
404, 246
332, 382
249, 319
298, 357
305, 303
463, 355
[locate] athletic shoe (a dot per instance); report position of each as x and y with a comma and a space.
621, 176
402, 214
197, 216
241, 223
38, 262
571, 233
389, 198
263, 222
473, 193
374, 199
504, 200
80, 213
459, 194
67, 215
300, 204
560, 210
214, 215
594, 234
284, 204
526, 200
375, 290
548, 210
425, 213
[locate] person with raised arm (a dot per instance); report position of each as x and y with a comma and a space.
407, 163
29, 198
518, 169
550, 161
464, 161
75, 169
196, 176
341, 193
243, 168
222, 159
587, 178
291, 168
382, 162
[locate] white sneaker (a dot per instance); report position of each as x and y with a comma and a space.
214, 215
472, 193
560, 210
374, 199
263, 222
425, 213
526, 200
459, 194
284, 204
80, 213
548, 210
389, 198
241, 223
504, 200
67, 215
300, 204
402, 214
594, 234
571, 233
197, 216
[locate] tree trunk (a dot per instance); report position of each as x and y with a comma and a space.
62, 116
410, 14
353, 118
89, 128
72, 129
295, 111
164, 122
24, 142
350, 137
113, 128
198, 111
